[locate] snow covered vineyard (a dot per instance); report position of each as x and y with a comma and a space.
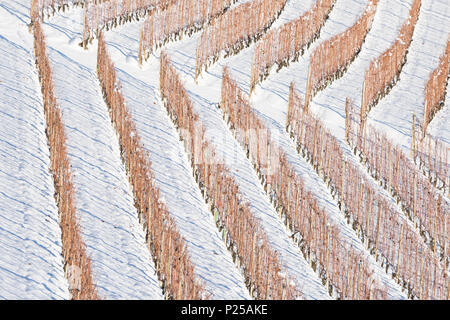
189, 149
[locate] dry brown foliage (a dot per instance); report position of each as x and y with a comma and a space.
49, 7
183, 16
74, 250
392, 168
109, 14
289, 41
345, 270
173, 264
376, 220
244, 236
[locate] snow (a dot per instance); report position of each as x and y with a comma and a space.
122, 265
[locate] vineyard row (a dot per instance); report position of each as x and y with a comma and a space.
109, 14
431, 155
376, 220
436, 88
384, 71
168, 248
183, 16
388, 164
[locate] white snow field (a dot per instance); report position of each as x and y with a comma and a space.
31, 265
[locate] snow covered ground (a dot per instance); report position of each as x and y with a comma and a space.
31, 265
121, 40
122, 265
